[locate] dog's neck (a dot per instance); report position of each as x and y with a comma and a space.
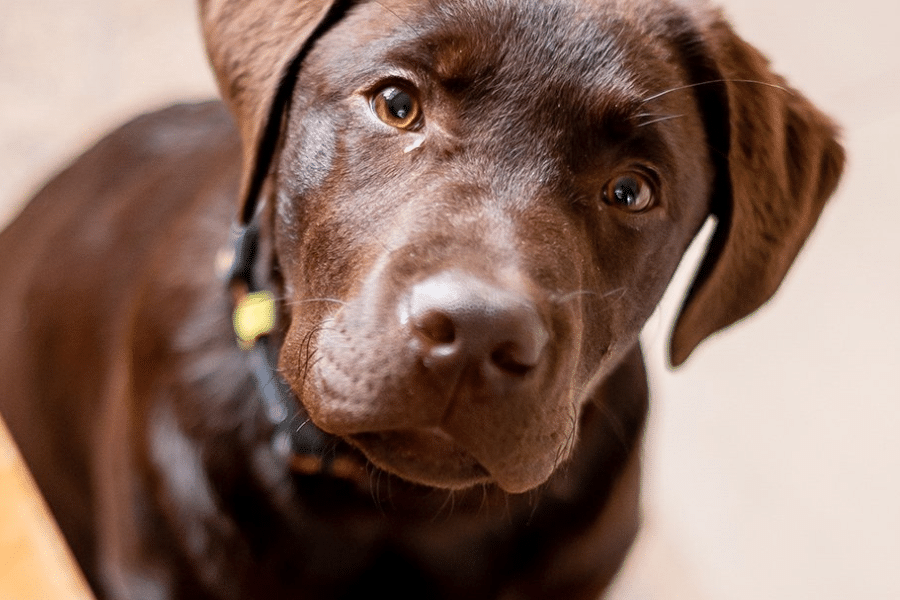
295, 437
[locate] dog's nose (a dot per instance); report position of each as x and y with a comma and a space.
461, 322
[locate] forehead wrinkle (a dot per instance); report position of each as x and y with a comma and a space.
495, 54
486, 41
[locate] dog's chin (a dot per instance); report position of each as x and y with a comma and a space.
422, 456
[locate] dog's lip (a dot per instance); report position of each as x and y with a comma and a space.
427, 456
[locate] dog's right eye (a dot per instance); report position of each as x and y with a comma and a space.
396, 107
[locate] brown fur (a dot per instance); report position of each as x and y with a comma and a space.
459, 303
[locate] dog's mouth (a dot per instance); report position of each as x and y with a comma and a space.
424, 456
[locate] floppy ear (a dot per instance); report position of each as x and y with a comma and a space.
256, 47
780, 161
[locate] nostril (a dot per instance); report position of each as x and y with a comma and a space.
436, 327
509, 358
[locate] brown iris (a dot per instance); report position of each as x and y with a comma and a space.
630, 191
397, 107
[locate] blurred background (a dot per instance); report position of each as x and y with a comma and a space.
773, 455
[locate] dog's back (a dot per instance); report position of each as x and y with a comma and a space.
71, 270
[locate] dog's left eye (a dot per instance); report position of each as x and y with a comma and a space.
397, 107
632, 192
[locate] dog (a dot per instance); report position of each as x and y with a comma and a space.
372, 323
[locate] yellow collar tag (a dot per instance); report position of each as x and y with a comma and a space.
253, 317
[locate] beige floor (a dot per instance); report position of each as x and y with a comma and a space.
774, 455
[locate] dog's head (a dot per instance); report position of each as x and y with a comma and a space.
476, 205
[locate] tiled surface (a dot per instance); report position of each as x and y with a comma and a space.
773, 455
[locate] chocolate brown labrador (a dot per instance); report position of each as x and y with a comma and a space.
460, 213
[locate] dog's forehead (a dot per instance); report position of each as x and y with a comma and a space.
547, 87
520, 45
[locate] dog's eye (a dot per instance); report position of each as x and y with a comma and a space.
396, 107
632, 192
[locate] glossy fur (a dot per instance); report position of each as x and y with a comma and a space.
459, 301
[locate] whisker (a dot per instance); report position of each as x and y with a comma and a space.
566, 297
308, 351
618, 292
616, 426
375, 486
483, 508
534, 499
311, 300
449, 503
398, 17
659, 120
621, 291
712, 81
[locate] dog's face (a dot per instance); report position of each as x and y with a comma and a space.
477, 210
476, 205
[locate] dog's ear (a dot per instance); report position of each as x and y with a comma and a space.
777, 159
255, 47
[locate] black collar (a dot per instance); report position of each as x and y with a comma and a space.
307, 448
